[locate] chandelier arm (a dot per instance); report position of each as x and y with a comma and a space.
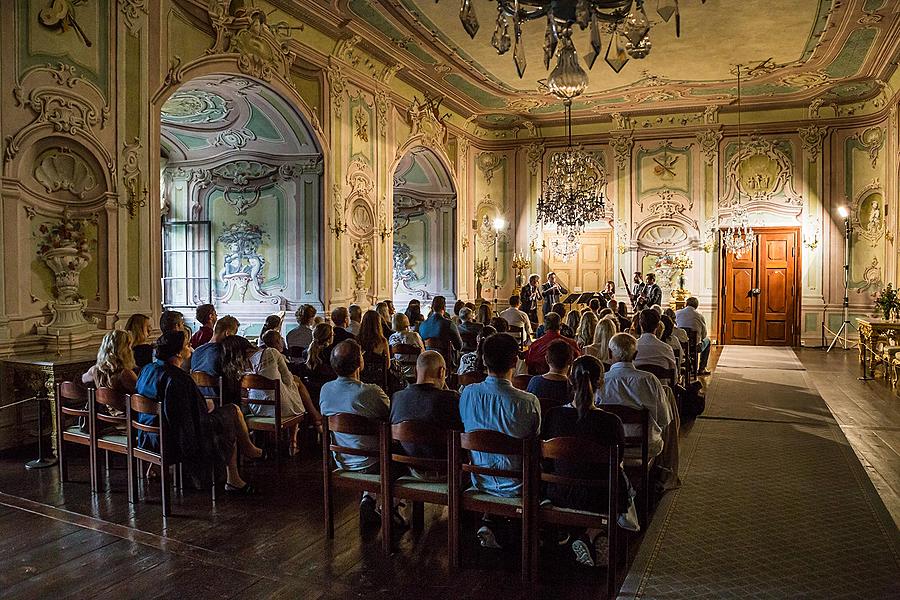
508, 7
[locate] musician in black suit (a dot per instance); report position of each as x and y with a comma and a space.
637, 288
552, 292
652, 292
530, 296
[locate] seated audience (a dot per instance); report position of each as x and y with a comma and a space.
579, 419
269, 362
553, 387
206, 316
535, 358
347, 394
317, 368
573, 319
355, 312
301, 335
385, 313
468, 329
584, 335
690, 318
138, 326
594, 305
500, 324
622, 315
375, 349
441, 331
172, 320
199, 435
406, 336
516, 318
114, 368
414, 314
207, 358
272, 323
427, 400
626, 385
457, 306
650, 349
340, 320
668, 336
484, 314
473, 362
496, 405
564, 329
679, 333
599, 349
232, 364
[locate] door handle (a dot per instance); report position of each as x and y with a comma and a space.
754, 292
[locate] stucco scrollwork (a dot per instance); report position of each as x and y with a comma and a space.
360, 216
336, 87
709, 144
872, 141
426, 121
534, 153
622, 145
871, 278
382, 107
664, 235
235, 139
241, 172
131, 175
666, 207
811, 137
487, 163
60, 169
761, 171
243, 264
133, 12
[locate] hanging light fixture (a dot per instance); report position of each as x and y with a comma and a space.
625, 21
738, 237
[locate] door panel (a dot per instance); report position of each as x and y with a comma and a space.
769, 316
590, 268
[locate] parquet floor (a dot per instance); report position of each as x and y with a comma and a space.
60, 542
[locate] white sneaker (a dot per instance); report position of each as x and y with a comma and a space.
487, 538
582, 553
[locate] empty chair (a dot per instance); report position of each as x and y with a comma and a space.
72, 424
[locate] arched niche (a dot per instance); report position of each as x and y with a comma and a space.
424, 208
241, 191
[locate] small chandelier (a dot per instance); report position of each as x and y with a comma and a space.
739, 238
625, 21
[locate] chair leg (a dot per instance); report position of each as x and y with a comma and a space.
164, 482
132, 479
613, 558
418, 515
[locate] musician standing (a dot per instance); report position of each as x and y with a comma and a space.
552, 292
637, 287
652, 291
610, 292
530, 295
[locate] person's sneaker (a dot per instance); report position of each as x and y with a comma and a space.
582, 551
487, 538
368, 512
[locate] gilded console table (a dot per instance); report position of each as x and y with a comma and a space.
36, 375
871, 333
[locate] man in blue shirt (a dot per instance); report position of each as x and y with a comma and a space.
438, 327
207, 358
496, 405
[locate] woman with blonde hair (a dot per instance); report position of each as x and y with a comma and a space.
573, 320
606, 328
404, 335
115, 364
584, 335
138, 326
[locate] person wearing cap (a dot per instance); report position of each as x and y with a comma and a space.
200, 435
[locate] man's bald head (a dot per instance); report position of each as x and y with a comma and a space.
430, 368
346, 358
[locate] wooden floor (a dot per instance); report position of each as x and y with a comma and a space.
59, 542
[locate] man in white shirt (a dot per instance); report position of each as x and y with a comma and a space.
355, 318
628, 386
690, 318
650, 349
517, 318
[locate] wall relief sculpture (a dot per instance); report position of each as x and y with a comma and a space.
872, 141
811, 137
60, 169
868, 213
360, 264
242, 269
404, 273
760, 171
487, 163
426, 120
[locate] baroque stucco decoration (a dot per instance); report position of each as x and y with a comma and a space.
534, 154
871, 140
359, 214
262, 46
622, 145
243, 264
487, 163
60, 169
868, 213
811, 137
426, 121
709, 144
759, 171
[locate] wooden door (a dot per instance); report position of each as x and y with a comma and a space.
759, 291
590, 268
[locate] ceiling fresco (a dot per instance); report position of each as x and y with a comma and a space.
799, 51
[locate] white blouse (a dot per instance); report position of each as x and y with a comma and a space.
271, 363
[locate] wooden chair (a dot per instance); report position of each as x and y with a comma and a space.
472, 500
141, 404
351, 424
693, 349
72, 403
548, 403
518, 333
103, 437
407, 487
407, 350
665, 376
686, 363
636, 466
520, 382
470, 378
579, 450
276, 424
207, 382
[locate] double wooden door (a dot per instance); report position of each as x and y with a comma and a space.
760, 291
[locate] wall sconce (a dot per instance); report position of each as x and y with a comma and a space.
338, 227
135, 200
811, 233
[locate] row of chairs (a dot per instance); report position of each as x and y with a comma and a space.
453, 492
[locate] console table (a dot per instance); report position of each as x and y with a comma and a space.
871, 333
36, 375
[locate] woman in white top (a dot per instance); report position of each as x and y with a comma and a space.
403, 335
269, 362
606, 328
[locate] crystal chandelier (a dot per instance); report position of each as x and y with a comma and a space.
571, 195
739, 238
625, 21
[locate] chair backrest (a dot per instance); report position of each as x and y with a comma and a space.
137, 403
494, 442
436, 344
469, 341
548, 403
582, 451
206, 381
296, 352
76, 395
470, 378
421, 433
351, 424
520, 382
406, 350
692, 337
666, 376
633, 416
70, 390
110, 398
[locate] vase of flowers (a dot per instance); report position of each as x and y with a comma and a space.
63, 247
887, 302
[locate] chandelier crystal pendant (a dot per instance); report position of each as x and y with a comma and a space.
738, 238
625, 21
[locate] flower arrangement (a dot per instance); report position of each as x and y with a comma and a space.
68, 233
887, 301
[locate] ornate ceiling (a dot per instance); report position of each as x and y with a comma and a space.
803, 51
